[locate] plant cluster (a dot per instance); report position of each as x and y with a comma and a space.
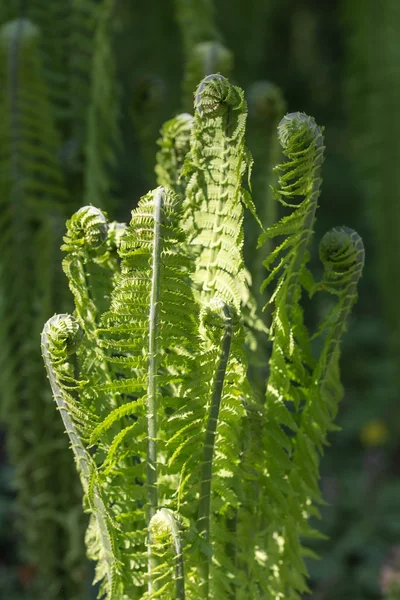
199, 483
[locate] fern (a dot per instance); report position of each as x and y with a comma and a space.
195, 488
32, 202
215, 165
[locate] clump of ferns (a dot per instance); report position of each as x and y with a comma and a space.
196, 487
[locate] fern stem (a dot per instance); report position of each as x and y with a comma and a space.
152, 387
209, 442
82, 457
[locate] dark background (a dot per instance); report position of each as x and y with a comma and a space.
336, 60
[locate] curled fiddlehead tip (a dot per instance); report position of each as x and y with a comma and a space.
299, 125
88, 224
341, 249
265, 100
23, 29
215, 316
62, 335
211, 95
211, 56
164, 526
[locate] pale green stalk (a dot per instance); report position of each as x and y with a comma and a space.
152, 388
82, 456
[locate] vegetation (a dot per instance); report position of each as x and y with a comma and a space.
175, 452
85, 88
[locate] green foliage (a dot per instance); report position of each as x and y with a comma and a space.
32, 204
195, 489
59, 136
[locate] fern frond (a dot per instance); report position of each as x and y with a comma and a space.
291, 360
217, 161
152, 296
61, 337
342, 254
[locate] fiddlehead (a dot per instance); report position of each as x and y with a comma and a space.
342, 254
166, 540
62, 337
88, 225
90, 265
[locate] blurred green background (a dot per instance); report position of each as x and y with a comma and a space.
85, 86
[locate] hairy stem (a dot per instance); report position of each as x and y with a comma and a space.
209, 442
152, 387
82, 456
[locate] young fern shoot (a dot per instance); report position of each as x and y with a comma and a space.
198, 491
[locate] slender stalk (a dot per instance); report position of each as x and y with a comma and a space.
152, 387
82, 456
209, 442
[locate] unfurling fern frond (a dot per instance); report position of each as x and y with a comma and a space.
151, 297
342, 254
217, 161
291, 359
61, 338
167, 546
